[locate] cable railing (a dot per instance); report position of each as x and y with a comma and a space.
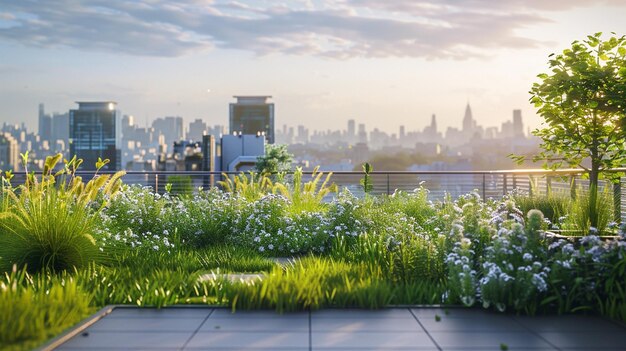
488, 184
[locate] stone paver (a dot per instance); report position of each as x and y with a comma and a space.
191, 328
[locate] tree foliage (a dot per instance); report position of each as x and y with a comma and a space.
276, 159
583, 103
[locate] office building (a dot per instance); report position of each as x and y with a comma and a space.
95, 132
9, 153
252, 115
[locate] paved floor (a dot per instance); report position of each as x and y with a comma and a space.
388, 329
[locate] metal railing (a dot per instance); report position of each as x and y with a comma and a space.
489, 184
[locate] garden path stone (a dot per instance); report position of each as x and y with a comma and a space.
207, 328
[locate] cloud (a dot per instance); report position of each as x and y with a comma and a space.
332, 28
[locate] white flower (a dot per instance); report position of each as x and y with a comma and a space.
261, 249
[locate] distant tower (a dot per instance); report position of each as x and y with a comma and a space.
468, 120
9, 152
433, 124
362, 133
401, 134
351, 129
45, 124
95, 132
518, 126
197, 129
252, 115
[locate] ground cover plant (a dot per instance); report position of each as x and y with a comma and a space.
161, 249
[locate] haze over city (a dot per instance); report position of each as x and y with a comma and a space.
383, 63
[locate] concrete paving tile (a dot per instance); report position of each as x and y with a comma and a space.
585, 340
376, 340
129, 340
126, 312
358, 314
227, 313
242, 323
147, 324
484, 340
488, 324
569, 323
267, 340
364, 324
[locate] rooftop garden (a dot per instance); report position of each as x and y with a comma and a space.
69, 246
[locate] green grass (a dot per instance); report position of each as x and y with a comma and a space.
36, 308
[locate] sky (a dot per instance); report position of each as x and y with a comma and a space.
383, 63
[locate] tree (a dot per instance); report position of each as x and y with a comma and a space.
583, 103
276, 159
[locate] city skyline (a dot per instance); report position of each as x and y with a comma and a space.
324, 62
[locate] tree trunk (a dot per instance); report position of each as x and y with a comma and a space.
593, 195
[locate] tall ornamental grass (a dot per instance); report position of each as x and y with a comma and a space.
48, 223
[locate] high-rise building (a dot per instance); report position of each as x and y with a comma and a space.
9, 153
518, 126
170, 127
252, 115
351, 129
362, 133
60, 131
197, 129
468, 121
45, 124
95, 132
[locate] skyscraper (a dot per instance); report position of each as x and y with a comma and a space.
518, 126
95, 132
45, 124
170, 127
197, 129
351, 129
252, 115
9, 152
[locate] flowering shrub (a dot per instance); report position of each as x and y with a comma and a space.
463, 278
212, 217
268, 227
138, 217
512, 271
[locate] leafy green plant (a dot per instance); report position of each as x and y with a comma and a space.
366, 181
580, 101
276, 159
578, 220
553, 206
179, 185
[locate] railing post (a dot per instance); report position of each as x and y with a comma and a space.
504, 185
548, 185
484, 186
617, 201
388, 184
531, 185
156, 183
